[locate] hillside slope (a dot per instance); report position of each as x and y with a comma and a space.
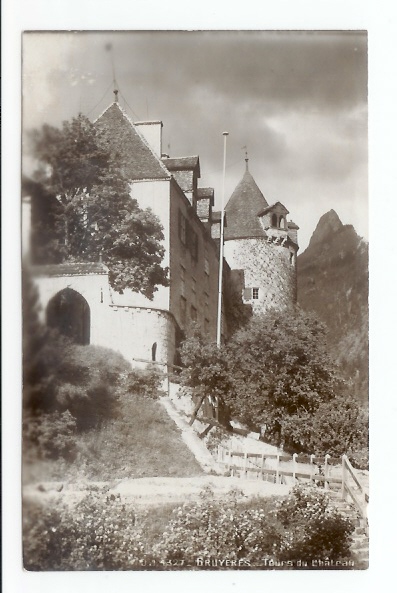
333, 283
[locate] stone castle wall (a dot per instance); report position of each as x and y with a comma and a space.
132, 331
269, 267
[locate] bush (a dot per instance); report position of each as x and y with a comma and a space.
211, 529
144, 382
338, 427
101, 533
83, 380
301, 527
90, 405
51, 435
86, 364
312, 528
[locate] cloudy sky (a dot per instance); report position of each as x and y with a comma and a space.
296, 100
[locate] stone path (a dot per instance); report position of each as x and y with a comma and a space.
191, 439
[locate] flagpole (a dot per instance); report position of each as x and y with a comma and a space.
219, 325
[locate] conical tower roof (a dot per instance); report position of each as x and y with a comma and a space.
242, 210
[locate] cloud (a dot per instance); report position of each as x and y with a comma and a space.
297, 100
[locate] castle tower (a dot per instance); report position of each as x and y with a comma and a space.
260, 241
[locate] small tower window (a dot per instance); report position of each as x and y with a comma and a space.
154, 350
255, 293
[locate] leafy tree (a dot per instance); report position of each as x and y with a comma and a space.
339, 426
280, 368
93, 212
205, 370
277, 372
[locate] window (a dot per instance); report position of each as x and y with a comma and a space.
154, 350
291, 258
250, 294
207, 326
183, 285
182, 228
193, 313
206, 263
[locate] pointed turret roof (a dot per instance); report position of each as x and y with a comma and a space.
242, 210
136, 158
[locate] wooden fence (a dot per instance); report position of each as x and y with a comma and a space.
331, 473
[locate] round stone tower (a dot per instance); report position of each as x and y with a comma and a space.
261, 241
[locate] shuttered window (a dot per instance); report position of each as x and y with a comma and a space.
251, 294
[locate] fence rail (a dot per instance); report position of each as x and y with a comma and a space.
331, 473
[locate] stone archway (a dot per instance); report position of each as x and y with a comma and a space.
69, 313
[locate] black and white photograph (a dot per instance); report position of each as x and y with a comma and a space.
195, 300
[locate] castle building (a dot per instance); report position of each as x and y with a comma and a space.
260, 252
263, 244
78, 299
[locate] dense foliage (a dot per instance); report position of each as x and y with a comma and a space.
277, 373
312, 527
92, 212
66, 388
103, 533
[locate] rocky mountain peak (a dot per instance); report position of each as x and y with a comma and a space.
328, 224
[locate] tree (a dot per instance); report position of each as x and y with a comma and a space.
338, 426
280, 369
93, 212
205, 371
277, 372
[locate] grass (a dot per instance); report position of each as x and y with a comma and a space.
141, 442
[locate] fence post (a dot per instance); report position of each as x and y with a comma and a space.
277, 467
343, 476
262, 465
326, 470
295, 455
312, 468
229, 460
245, 465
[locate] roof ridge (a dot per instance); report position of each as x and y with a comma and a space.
141, 137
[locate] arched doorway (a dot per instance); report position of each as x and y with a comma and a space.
69, 313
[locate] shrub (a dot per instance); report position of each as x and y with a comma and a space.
101, 533
144, 382
51, 435
91, 405
86, 364
301, 527
338, 427
214, 529
313, 528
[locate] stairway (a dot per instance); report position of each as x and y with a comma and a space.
360, 541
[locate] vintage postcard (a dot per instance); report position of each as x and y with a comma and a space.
195, 300
194, 386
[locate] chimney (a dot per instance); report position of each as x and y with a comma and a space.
152, 132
